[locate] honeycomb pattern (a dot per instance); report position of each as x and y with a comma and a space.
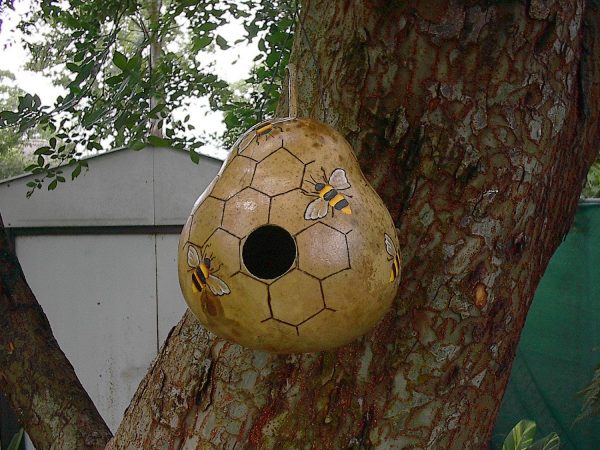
230, 182
289, 173
315, 259
205, 219
215, 224
250, 203
228, 245
291, 305
290, 205
259, 146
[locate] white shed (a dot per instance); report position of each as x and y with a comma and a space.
100, 256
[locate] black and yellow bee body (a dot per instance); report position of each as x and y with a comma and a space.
390, 248
203, 273
328, 193
336, 200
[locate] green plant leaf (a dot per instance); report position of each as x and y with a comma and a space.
158, 142
221, 42
550, 442
521, 436
15, 442
120, 60
201, 42
53, 185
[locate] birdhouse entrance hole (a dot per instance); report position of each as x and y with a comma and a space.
269, 252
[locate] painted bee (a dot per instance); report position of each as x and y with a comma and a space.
394, 255
265, 130
202, 273
329, 195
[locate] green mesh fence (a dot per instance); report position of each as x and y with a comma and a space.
560, 344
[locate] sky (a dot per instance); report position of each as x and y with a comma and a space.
231, 65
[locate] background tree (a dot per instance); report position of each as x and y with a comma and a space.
476, 122
12, 159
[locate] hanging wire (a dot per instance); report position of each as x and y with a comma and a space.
299, 22
292, 95
276, 70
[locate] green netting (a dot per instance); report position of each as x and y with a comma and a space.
560, 344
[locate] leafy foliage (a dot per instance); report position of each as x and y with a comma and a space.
591, 189
12, 159
591, 398
15, 442
522, 435
130, 64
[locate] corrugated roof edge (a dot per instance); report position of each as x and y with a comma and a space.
110, 152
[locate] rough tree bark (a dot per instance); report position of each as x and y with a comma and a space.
476, 122
35, 375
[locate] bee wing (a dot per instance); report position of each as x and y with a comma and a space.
217, 286
193, 258
316, 209
338, 179
389, 245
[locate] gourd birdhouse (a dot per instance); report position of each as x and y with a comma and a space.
289, 249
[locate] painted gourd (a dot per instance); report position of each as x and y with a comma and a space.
289, 249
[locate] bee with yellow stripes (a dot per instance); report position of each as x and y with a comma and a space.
264, 129
328, 192
394, 256
203, 272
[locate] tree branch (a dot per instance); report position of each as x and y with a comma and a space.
35, 375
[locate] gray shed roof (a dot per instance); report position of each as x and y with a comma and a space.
155, 186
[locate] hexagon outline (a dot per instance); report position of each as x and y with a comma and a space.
221, 176
237, 193
230, 234
308, 223
290, 152
192, 217
322, 297
349, 264
239, 272
272, 155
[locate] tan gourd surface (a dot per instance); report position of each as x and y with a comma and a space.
342, 277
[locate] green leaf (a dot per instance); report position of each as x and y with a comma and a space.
550, 442
156, 141
91, 117
120, 60
43, 151
137, 146
76, 172
15, 442
195, 157
72, 67
208, 26
9, 117
521, 436
158, 108
201, 42
222, 43
113, 81
53, 185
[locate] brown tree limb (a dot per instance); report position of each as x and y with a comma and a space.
35, 375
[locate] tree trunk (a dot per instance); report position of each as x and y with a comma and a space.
476, 123
35, 375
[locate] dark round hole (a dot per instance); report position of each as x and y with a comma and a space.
269, 252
